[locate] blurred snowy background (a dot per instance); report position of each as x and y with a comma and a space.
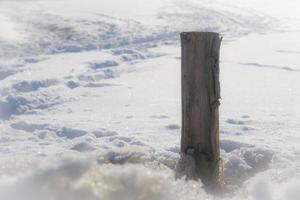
90, 98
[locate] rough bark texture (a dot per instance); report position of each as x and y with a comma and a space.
200, 102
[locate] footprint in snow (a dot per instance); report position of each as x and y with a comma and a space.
72, 84
71, 133
121, 141
234, 121
103, 64
159, 116
28, 127
173, 127
248, 128
245, 116
99, 85
99, 133
34, 85
229, 145
82, 147
4, 73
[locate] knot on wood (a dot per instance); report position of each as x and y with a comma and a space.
215, 104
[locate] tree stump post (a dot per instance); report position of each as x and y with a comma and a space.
200, 102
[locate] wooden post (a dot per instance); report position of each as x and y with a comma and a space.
200, 102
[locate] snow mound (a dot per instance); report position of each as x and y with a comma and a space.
83, 179
244, 163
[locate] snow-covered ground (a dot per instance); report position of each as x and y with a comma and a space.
90, 98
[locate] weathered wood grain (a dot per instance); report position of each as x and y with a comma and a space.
200, 102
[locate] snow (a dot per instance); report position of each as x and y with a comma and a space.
90, 99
